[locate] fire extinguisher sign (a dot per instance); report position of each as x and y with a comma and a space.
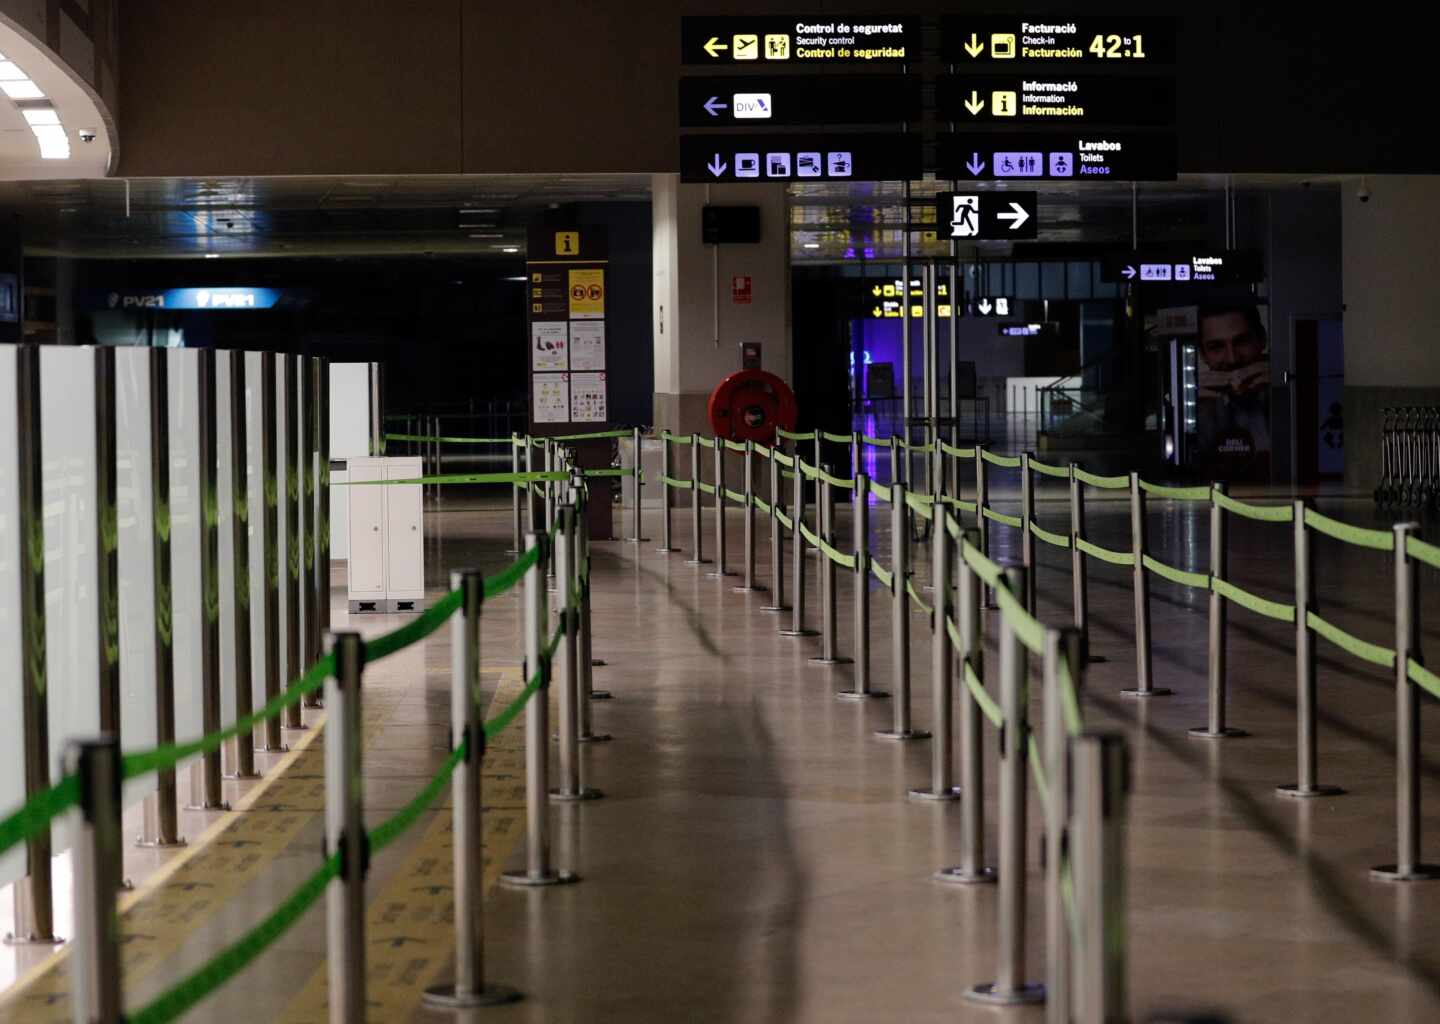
740, 291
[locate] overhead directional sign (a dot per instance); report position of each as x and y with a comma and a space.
1057, 100
806, 39
1097, 155
1210, 267
1101, 40
758, 158
756, 100
992, 305
977, 216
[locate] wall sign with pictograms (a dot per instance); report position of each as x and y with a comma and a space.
1056, 100
1094, 155
814, 39
566, 274
741, 290
1100, 40
732, 158
1243, 266
976, 216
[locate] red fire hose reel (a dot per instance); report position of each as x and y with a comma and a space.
750, 404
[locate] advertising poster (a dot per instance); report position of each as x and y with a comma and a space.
587, 345
548, 344
587, 398
1232, 407
552, 398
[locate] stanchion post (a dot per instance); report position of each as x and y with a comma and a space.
345, 831
750, 585
829, 605
797, 557
856, 441
210, 798
1306, 744
900, 619
697, 536
1056, 758
1099, 963
538, 869
721, 545
107, 543
292, 534
244, 767
1144, 663
550, 496
1027, 534
1215, 727
95, 953
1407, 866
895, 476
530, 523
942, 670
666, 545
1010, 987
586, 653
971, 870
1079, 579
861, 523
517, 533
313, 638
639, 489
467, 726
270, 539
777, 537
982, 502
571, 787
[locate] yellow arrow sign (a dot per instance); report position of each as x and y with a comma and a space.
974, 104
877, 312
876, 291
974, 47
714, 46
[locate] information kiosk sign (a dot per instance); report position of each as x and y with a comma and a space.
566, 301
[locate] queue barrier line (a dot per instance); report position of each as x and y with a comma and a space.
783, 459
815, 473
953, 527
1350, 643
958, 453
874, 442
432, 438
1422, 677
810, 538
1277, 610
1037, 771
885, 576
837, 556
704, 488
1195, 580
1105, 554
1053, 539
885, 494
1003, 461
1015, 522
837, 438
1259, 513
1422, 552
763, 505
1025, 626
1105, 483
676, 483
670, 438
784, 520
1177, 493
960, 503
915, 597
987, 704
1045, 469
1359, 536
928, 448
596, 436
921, 505
735, 496
462, 478
734, 446
761, 450
704, 442
782, 432
983, 567
1070, 701
611, 471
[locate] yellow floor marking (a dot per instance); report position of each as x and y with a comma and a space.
410, 924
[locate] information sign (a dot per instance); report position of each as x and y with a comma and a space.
756, 101
1057, 100
829, 157
1101, 40
815, 39
1080, 155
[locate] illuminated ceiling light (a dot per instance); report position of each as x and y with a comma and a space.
212, 255
40, 115
10, 72
812, 245
23, 89
510, 249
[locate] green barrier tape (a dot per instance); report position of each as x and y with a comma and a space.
426, 623
607, 472
1053, 539
875, 442
35, 815
734, 446
449, 440
507, 578
1037, 770
783, 459
1045, 469
461, 478
921, 505
837, 556
1108, 483
179, 999
1025, 626
1105, 554
704, 441
1260, 513
1277, 610
810, 538
925, 449
954, 529
987, 570
735, 496
1070, 701
915, 596
886, 494
810, 471
594, 436
785, 520
1377, 540
958, 453
1422, 676
1003, 461
836, 481
665, 435
670, 481
762, 451
794, 437
762, 505
554, 643
1176, 493
1422, 552
399, 823
988, 707
1349, 642
537, 442
1197, 580
958, 503
502, 721
886, 578
999, 517
837, 438
704, 488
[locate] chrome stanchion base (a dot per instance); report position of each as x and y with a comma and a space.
601, 695
239, 777
1419, 873
145, 843
596, 737
908, 734
1203, 732
697, 561
989, 995
598, 663
776, 608
635, 540
1154, 691
446, 997
33, 940
666, 551
223, 805
754, 588
281, 749
838, 660
525, 880
799, 632
586, 793
295, 728
1294, 792
722, 573
935, 796
959, 876
855, 696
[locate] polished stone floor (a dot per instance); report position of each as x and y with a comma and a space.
755, 858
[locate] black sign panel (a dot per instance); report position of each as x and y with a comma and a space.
1119, 40
1056, 100
975, 216
1057, 156
1238, 267
800, 158
807, 40
756, 101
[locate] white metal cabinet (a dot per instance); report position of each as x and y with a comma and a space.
387, 536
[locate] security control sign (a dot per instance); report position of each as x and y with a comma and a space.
1057, 156
985, 216
799, 158
1102, 41
808, 40
1236, 267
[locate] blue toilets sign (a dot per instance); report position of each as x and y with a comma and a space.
226, 298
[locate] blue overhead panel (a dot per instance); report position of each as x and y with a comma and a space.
219, 298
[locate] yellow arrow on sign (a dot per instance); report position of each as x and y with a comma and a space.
974, 47
876, 291
974, 104
714, 46
877, 312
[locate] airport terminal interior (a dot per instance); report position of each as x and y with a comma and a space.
656, 512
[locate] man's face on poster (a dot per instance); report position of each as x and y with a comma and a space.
1227, 342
